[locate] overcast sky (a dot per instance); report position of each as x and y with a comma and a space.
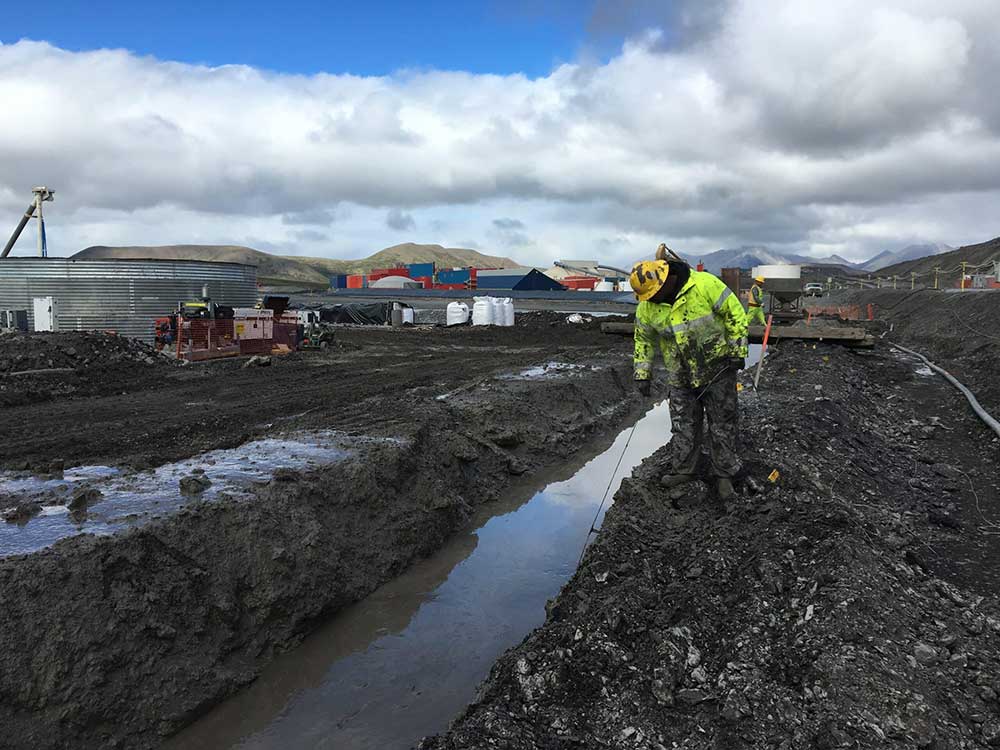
847, 127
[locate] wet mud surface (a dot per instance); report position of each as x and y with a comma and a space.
403, 662
120, 640
852, 602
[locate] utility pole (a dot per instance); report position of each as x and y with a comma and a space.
894, 278
42, 194
964, 264
937, 270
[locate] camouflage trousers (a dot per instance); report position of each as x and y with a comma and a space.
718, 407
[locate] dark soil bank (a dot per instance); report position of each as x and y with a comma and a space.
959, 331
850, 603
119, 641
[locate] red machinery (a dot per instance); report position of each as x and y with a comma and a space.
202, 330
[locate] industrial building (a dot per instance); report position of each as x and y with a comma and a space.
124, 296
517, 279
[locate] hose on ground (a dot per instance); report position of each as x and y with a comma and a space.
988, 420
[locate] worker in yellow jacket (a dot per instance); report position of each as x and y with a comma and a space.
701, 330
755, 304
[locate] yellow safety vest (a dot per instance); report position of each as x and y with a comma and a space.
704, 327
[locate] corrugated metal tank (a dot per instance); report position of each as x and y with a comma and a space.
125, 296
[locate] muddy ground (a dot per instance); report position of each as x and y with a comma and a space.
120, 641
957, 330
852, 602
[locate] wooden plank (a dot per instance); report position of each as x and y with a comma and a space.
786, 333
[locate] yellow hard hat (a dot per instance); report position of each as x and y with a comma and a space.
759, 279
648, 277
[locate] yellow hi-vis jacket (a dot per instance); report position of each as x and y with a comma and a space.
756, 296
704, 327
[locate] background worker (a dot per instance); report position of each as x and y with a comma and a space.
701, 329
755, 304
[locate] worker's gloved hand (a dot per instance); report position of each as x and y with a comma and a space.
737, 363
644, 387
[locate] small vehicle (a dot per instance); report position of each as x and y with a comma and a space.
317, 336
813, 289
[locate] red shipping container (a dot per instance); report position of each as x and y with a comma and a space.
451, 287
356, 281
427, 281
579, 282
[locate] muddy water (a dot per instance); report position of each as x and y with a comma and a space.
129, 499
405, 661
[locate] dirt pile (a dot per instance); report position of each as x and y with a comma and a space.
120, 641
43, 366
845, 604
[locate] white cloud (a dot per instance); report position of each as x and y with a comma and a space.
800, 125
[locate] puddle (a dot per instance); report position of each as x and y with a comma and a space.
549, 370
130, 499
405, 661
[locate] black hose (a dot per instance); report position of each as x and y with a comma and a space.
984, 415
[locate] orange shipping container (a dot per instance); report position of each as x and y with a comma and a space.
356, 281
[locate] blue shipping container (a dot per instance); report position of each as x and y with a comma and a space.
420, 269
451, 276
338, 280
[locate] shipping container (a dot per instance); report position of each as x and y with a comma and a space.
579, 282
454, 276
356, 281
451, 287
419, 270
338, 281
380, 273
427, 281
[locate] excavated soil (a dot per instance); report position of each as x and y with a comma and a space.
959, 331
850, 603
119, 641
37, 367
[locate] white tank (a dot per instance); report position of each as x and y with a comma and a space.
458, 313
604, 286
482, 311
782, 271
508, 311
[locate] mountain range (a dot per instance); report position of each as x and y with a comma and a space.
749, 256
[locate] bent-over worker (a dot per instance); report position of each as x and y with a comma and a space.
701, 329
755, 305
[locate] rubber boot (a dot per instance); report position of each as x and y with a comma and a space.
675, 480
725, 488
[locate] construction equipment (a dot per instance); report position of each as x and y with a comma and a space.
783, 284
587, 272
317, 335
41, 194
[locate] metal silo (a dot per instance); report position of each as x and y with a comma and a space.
124, 296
